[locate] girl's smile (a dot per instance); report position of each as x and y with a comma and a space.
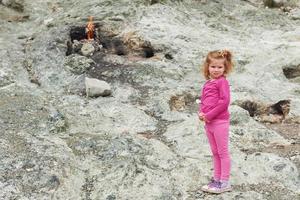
216, 68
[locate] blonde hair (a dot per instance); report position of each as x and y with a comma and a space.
218, 54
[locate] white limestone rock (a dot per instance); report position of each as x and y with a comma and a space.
95, 87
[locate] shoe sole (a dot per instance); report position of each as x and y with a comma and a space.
205, 189
219, 192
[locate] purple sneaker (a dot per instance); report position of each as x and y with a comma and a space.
220, 187
213, 183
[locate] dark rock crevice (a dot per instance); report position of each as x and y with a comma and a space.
129, 44
291, 71
272, 113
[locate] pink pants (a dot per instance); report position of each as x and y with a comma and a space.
218, 136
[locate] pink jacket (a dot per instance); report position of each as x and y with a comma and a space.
215, 99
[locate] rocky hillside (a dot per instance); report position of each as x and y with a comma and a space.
115, 117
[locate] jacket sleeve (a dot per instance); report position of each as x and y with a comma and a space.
200, 101
223, 102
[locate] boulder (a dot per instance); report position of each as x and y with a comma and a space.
96, 88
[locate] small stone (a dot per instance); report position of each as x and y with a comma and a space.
96, 88
49, 22
87, 49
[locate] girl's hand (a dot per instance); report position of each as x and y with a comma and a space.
202, 117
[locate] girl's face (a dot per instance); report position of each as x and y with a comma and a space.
216, 68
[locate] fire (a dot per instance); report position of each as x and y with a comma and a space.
90, 27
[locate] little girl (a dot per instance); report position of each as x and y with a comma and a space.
213, 110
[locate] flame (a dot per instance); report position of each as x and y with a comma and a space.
90, 27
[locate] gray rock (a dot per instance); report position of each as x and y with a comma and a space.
57, 121
96, 88
253, 136
77, 46
295, 14
78, 64
268, 165
15, 4
77, 85
6, 78
238, 115
87, 49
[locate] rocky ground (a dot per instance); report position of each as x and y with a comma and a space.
135, 134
